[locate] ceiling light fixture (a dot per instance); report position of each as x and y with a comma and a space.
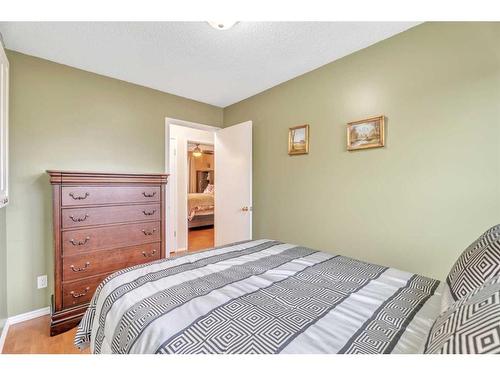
222, 25
197, 151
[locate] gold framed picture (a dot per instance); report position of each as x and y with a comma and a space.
367, 133
298, 140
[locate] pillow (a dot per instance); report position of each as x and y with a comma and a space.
479, 262
471, 325
210, 189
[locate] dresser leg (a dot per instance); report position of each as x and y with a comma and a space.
65, 320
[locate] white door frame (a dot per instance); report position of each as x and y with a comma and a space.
171, 211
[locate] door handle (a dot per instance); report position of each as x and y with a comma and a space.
246, 209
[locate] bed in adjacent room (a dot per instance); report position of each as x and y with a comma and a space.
265, 296
200, 209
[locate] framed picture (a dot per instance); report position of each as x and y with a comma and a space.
368, 133
298, 140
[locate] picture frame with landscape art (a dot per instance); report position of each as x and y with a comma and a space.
367, 133
298, 140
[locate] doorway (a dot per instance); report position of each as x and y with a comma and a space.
230, 217
201, 200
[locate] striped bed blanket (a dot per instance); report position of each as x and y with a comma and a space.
260, 297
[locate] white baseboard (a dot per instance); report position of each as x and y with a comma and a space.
29, 315
21, 318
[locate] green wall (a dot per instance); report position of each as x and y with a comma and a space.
414, 204
65, 118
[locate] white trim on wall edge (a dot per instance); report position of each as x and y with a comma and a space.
21, 318
5, 329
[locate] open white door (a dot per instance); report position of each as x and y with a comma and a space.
233, 187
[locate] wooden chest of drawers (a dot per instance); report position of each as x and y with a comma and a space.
103, 222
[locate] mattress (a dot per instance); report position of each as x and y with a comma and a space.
260, 297
199, 202
204, 212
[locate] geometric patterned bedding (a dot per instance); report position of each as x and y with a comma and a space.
471, 325
478, 263
260, 297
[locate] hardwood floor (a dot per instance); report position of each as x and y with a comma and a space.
200, 239
32, 337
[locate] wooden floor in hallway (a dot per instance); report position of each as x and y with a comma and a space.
200, 239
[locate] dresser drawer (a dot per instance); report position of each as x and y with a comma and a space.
80, 291
98, 262
79, 217
83, 240
91, 195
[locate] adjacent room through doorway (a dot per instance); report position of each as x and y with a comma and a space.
201, 190
191, 169
201, 213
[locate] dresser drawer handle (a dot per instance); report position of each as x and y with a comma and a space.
149, 195
80, 269
79, 243
149, 213
79, 219
148, 233
146, 255
79, 197
78, 295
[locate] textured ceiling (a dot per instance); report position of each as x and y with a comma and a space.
193, 60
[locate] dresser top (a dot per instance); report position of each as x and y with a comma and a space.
74, 177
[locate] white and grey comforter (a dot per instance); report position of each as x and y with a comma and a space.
260, 297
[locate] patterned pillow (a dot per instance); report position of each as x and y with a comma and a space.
471, 325
478, 263
210, 189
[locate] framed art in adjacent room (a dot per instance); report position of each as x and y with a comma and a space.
367, 133
298, 140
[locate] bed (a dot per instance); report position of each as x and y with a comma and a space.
200, 209
261, 296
